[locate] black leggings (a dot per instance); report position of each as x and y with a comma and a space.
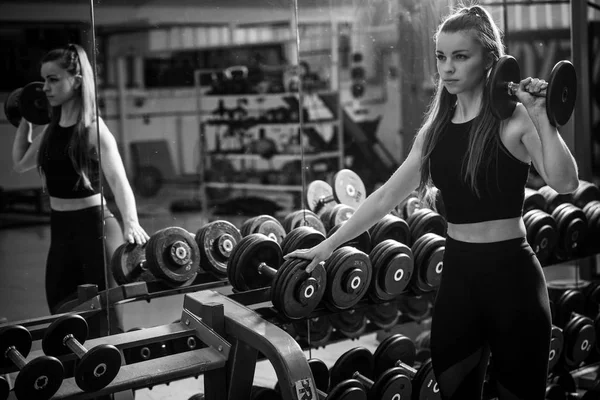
75, 256
492, 298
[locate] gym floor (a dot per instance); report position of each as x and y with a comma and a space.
23, 250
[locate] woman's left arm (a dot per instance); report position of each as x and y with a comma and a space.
114, 171
549, 153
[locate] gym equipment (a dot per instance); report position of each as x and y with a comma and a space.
393, 267
38, 379
30, 103
336, 215
408, 206
390, 227
586, 192
424, 385
384, 315
362, 242
256, 262
542, 233
128, 264
391, 349
428, 256
96, 367
556, 347
351, 323
560, 93
534, 200
265, 224
553, 198
425, 220
347, 189
303, 237
303, 217
173, 256
572, 227
320, 330
349, 274
215, 241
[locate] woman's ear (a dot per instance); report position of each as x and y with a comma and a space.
78, 80
489, 61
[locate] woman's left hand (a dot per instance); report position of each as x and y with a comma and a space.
134, 233
532, 94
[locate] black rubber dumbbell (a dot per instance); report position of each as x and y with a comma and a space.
96, 367
39, 378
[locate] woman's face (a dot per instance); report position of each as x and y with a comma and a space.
460, 61
59, 85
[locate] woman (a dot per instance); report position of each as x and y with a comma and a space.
493, 293
67, 154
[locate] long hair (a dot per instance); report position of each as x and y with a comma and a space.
74, 60
483, 135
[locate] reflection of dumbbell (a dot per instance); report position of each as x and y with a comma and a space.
30, 103
347, 189
265, 224
96, 367
38, 379
256, 262
215, 241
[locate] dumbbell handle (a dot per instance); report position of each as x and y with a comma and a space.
411, 372
16, 357
367, 383
74, 345
513, 87
304, 291
322, 395
266, 270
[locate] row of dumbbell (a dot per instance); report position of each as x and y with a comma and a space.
41, 377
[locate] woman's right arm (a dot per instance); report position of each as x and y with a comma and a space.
404, 181
25, 149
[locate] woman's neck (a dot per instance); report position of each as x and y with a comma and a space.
468, 105
69, 113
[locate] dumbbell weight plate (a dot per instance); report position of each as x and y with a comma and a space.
125, 261
428, 254
303, 218
351, 323
427, 221
556, 347
245, 269
390, 227
215, 241
392, 270
348, 188
69, 324
316, 192
502, 102
303, 237
585, 193
350, 389
98, 367
268, 226
384, 315
11, 107
358, 359
425, 384
553, 198
362, 242
409, 205
320, 373
392, 384
338, 214
390, 350
40, 379
320, 330
561, 93
33, 104
290, 293
15, 336
579, 340
533, 201
173, 255
567, 299
344, 261
542, 233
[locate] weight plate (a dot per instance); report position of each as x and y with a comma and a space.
33, 104
348, 188
246, 228
553, 198
128, 264
53, 342
572, 228
11, 107
409, 205
501, 101
339, 213
348, 278
429, 222
350, 323
350, 389
542, 234
39, 379
392, 384
362, 242
173, 255
425, 384
303, 218
358, 359
384, 315
262, 249
390, 227
15, 336
579, 340
302, 237
392, 271
533, 201
585, 193
320, 374
320, 330
556, 347
98, 367
391, 349
561, 93
216, 241
269, 227
296, 293
319, 196
434, 251
233, 275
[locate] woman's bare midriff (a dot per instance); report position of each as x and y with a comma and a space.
60, 204
488, 231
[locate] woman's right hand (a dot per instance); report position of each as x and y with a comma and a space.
317, 254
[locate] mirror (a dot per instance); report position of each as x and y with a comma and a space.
27, 32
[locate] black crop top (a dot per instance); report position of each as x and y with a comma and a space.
501, 185
61, 177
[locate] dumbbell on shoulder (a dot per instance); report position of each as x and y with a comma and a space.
256, 262
29, 103
39, 378
96, 367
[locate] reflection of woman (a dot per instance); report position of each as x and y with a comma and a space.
67, 154
493, 292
